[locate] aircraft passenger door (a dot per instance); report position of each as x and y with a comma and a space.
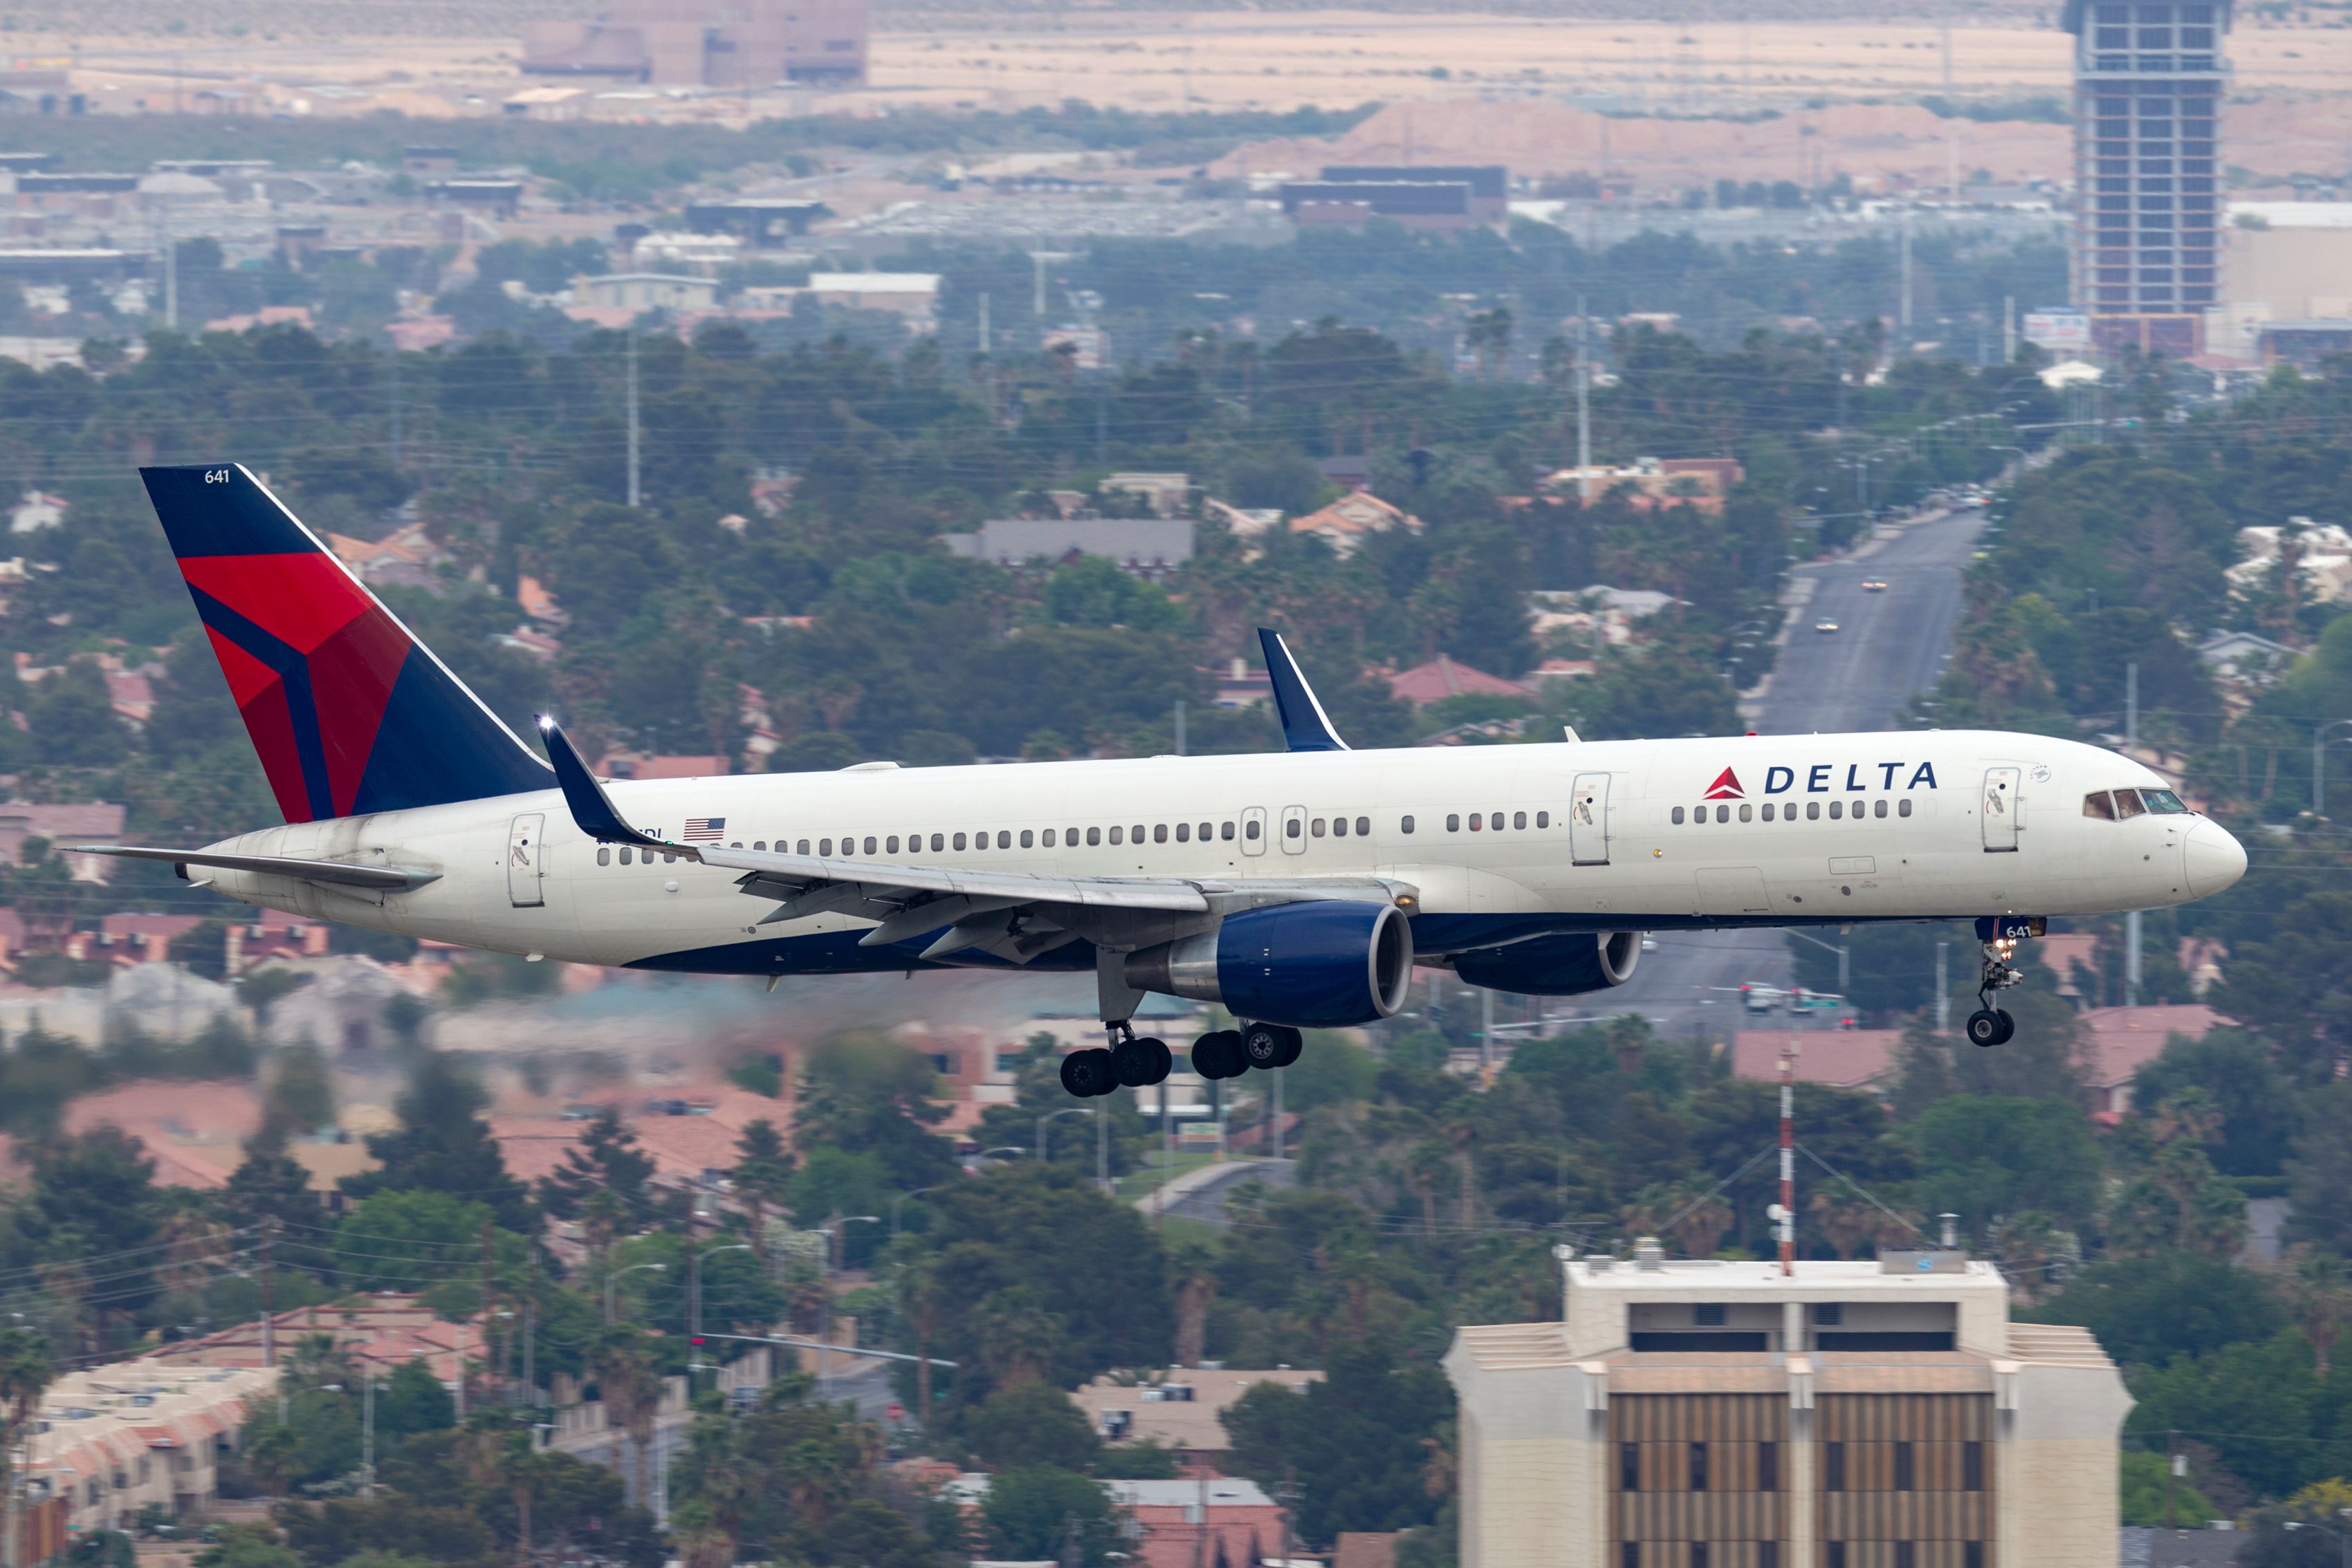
1587, 820
2000, 809
1293, 830
1254, 830
526, 861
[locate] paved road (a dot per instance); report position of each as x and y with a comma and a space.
1889, 647
1203, 1192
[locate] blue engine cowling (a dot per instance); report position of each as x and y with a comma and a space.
1567, 964
1324, 964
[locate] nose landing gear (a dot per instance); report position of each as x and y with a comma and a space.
1990, 1025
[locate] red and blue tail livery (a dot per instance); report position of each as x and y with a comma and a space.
349, 712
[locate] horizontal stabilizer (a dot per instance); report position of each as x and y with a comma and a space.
1305, 725
338, 874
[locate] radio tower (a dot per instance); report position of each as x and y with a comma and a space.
1788, 1158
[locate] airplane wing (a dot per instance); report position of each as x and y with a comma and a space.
338, 874
1016, 915
1305, 725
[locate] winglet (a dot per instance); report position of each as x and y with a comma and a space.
591, 809
1305, 725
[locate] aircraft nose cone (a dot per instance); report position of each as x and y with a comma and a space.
2215, 860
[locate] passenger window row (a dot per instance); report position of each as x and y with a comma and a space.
1492, 821
874, 844
1339, 827
1788, 812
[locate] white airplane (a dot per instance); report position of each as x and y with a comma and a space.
1297, 890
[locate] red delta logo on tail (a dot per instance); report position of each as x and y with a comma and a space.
1725, 788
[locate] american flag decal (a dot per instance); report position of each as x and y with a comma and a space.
705, 829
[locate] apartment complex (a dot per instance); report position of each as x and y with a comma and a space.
1884, 1414
2149, 81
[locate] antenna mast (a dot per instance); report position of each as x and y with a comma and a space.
1788, 1158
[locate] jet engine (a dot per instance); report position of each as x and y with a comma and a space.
1567, 964
1322, 964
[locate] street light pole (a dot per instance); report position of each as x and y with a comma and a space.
2319, 765
613, 1281
694, 1283
367, 1432
1038, 1149
832, 1233
898, 1202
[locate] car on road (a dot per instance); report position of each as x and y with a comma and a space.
1874, 585
1825, 626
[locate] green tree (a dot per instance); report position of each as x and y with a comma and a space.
2150, 1496
1031, 1424
1355, 1441
72, 719
2319, 1173
868, 1094
442, 1145
1984, 1158
1041, 1512
2168, 1305
2256, 1103
763, 1166
607, 1161
247, 1546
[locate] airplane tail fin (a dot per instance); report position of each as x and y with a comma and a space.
350, 713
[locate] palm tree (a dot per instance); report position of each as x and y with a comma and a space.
632, 1396
2318, 1295
25, 1376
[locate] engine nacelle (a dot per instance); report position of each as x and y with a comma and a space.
1322, 964
1566, 965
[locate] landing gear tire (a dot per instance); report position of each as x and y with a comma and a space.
1293, 1042
1990, 1026
1086, 1073
1218, 1054
1139, 1063
1269, 1044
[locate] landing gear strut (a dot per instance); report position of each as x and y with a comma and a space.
1990, 1025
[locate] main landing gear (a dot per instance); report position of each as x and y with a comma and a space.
1990, 1025
1129, 1063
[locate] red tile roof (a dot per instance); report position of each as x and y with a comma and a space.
1847, 1058
2127, 1038
1442, 677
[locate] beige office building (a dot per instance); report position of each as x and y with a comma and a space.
1723, 1415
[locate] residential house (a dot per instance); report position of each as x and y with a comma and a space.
1442, 677
128, 939
1149, 547
97, 822
1348, 522
2244, 659
380, 1331
275, 935
648, 765
1169, 493
1701, 482
1179, 1408
1205, 1521
1841, 1058
39, 509
2322, 552
1595, 615
407, 555
914, 295
113, 1443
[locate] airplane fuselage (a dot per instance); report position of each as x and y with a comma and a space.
1495, 842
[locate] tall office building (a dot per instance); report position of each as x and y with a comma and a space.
2149, 79
1879, 1414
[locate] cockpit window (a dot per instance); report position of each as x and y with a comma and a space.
2127, 804
2097, 804
2163, 801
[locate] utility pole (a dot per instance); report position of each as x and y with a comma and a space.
2131, 920
1583, 403
395, 407
530, 1349
269, 1296
983, 324
1951, 108
1167, 1158
2171, 1470
633, 493
1907, 270
1278, 1077
488, 1355
367, 1429
2008, 328
1180, 727
171, 280
1943, 989
1102, 416
1788, 1222
1487, 1032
